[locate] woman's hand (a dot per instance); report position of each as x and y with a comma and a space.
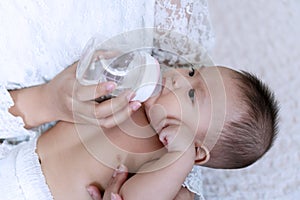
73, 102
111, 193
63, 98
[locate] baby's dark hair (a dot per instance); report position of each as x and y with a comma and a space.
246, 139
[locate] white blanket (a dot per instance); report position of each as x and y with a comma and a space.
262, 37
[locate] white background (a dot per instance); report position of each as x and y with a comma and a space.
263, 37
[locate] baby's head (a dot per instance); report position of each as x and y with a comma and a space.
194, 98
250, 125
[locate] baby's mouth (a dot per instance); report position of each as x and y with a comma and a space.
163, 135
167, 130
164, 141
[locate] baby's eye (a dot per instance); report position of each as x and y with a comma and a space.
192, 72
192, 94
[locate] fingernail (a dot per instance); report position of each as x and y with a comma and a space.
130, 96
121, 168
115, 173
90, 191
110, 87
135, 105
113, 196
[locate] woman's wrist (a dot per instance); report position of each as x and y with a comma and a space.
31, 104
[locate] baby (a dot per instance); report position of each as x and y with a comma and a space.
210, 116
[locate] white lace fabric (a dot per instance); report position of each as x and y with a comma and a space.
39, 38
183, 27
21, 175
194, 181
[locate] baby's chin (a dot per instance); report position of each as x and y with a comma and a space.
152, 118
147, 107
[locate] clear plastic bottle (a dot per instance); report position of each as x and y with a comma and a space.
130, 69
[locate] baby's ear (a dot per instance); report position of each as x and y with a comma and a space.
202, 155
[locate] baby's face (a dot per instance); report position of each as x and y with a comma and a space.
186, 100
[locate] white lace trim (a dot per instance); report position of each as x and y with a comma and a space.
30, 174
193, 182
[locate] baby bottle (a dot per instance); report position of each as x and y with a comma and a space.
130, 69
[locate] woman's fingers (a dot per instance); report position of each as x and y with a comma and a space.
85, 93
71, 101
113, 188
109, 107
108, 113
115, 197
119, 116
91, 92
118, 179
94, 192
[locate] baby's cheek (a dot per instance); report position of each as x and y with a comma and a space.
156, 113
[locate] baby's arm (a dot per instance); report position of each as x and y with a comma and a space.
157, 181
